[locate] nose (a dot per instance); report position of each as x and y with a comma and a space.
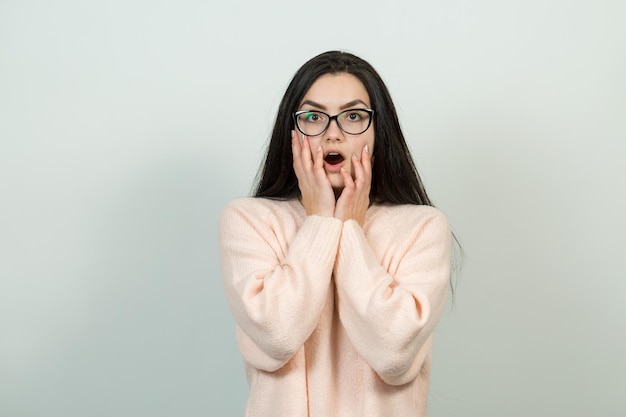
333, 132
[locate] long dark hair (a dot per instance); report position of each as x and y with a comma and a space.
394, 177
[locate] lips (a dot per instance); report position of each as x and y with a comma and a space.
334, 158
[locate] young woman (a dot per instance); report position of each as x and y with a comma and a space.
337, 269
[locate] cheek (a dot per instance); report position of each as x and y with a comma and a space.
369, 141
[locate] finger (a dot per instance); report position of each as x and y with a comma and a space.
366, 161
358, 171
296, 150
348, 183
318, 162
307, 162
343, 202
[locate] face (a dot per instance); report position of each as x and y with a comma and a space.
333, 94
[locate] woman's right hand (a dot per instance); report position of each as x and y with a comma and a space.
317, 193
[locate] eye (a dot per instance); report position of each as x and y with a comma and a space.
354, 115
311, 117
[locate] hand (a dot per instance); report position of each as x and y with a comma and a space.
317, 193
355, 197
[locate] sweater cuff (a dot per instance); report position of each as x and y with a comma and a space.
318, 238
356, 262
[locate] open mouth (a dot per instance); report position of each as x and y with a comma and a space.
334, 158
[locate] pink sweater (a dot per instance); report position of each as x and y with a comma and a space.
335, 320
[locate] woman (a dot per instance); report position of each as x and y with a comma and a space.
336, 271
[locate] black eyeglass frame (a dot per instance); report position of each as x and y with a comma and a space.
370, 112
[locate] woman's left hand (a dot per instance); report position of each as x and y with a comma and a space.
355, 196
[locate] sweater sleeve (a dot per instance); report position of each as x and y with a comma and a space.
276, 284
390, 313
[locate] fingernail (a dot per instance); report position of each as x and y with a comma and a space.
319, 148
367, 149
354, 157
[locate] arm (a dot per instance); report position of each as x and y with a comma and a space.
276, 284
390, 312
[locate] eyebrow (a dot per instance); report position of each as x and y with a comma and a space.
345, 106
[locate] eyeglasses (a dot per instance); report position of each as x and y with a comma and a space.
352, 121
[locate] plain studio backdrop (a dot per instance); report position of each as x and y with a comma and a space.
126, 126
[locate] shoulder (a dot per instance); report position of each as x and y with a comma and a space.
260, 211
404, 214
255, 206
253, 220
407, 220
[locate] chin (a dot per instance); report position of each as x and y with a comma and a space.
336, 181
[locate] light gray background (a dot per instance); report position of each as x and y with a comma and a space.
125, 127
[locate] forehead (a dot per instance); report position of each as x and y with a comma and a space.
335, 90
